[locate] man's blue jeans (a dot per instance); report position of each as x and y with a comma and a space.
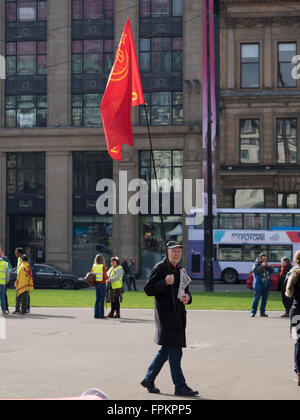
100, 289
2, 297
263, 294
174, 355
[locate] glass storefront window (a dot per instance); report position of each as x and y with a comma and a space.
26, 173
152, 244
91, 236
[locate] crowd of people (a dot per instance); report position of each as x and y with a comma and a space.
24, 283
289, 286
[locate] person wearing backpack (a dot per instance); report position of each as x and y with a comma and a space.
293, 291
286, 266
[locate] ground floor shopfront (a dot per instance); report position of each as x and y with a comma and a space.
49, 195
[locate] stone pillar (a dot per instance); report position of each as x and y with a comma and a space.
268, 56
125, 225
59, 209
231, 72
59, 62
2, 53
192, 169
192, 66
3, 200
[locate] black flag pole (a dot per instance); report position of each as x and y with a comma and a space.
156, 180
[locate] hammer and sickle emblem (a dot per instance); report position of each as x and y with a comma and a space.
134, 96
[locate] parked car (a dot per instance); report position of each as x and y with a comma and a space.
274, 277
49, 276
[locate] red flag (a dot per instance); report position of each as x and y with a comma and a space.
123, 91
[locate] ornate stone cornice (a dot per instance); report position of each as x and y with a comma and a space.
262, 21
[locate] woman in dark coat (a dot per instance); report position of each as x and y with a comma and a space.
286, 266
170, 320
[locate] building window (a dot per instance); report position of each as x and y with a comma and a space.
26, 11
92, 56
92, 235
93, 9
249, 140
26, 58
88, 169
26, 173
286, 51
156, 8
286, 140
164, 108
287, 201
86, 110
26, 111
161, 54
249, 198
249, 66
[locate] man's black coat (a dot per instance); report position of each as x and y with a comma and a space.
170, 326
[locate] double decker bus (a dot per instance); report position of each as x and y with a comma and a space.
239, 236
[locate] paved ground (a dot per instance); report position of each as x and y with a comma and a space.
62, 352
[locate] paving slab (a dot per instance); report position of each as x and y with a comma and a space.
56, 352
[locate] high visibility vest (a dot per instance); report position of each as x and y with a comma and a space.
112, 272
98, 270
19, 263
3, 268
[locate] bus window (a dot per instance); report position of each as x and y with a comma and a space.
276, 252
280, 220
251, 252
297, 220
230, 253
196, 265
256, 221
231, 221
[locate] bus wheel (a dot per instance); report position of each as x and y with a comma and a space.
230, 276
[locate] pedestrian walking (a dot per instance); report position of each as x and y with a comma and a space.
132, 273
24, 285
125, 267
293, 291
286, 266
4, 280
170, 320
261, 284
99, 270
115, 284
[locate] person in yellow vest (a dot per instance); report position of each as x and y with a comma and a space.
24, 285
100, 286
115, 276
4, 280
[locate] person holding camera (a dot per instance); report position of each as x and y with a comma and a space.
261, 284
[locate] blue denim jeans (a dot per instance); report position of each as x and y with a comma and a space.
297, 356
2, 297
263, 294
100, 289
174, 355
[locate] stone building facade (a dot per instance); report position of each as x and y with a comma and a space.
52, 147
259, 153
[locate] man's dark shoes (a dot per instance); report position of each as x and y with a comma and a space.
186, 391
150, 387
264, 315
